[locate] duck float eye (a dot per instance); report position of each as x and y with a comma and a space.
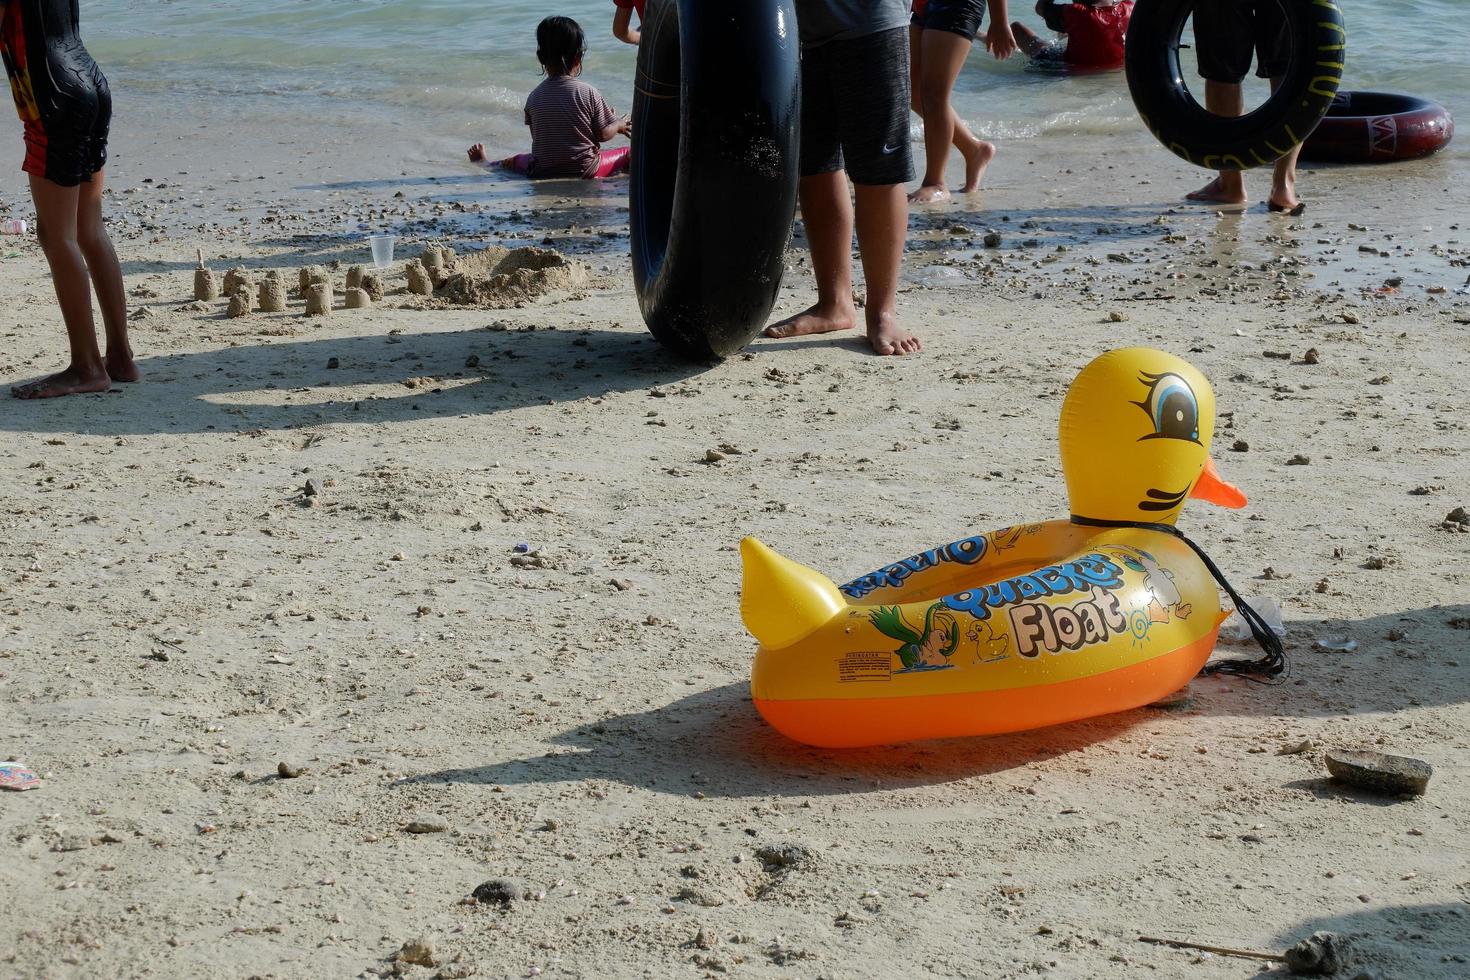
1172, 406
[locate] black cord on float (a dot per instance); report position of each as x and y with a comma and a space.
1274, 664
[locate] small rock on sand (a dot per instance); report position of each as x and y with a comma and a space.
426, 825
1379, 772
499, 891
784, 857
287, 771
419, 952
1320, 954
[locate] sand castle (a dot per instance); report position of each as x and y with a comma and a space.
243, 299
272, 297
420, 283
206, 286
236, 279
319, 299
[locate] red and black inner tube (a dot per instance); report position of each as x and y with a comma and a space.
1379, 127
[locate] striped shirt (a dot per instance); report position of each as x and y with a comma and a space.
566, 116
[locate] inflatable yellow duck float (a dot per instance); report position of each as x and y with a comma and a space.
1027, 626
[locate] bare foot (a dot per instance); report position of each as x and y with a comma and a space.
812, 321
977, 158
1283, 199
887, 337
68, 382
1220, 191
121, 368
931, 193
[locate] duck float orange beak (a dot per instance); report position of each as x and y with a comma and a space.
1027, 626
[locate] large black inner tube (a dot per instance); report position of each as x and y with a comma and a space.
714, 169
1258, 138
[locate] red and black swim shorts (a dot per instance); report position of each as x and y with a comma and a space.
61, 95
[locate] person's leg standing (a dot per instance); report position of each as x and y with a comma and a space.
96, 244
873, 110
107, 279
56, 229
1273, 57
826, 208
949, 33
1223, 34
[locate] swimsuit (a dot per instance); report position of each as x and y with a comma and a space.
1226, 31
960, 17
855, 108
60, 93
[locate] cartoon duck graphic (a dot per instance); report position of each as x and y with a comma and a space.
1159, 583
926, 649
1051, 605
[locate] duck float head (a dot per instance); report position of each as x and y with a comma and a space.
1135, 439
1025, 626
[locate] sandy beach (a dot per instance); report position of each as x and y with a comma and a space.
289, 733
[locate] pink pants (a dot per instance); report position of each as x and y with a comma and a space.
609, 163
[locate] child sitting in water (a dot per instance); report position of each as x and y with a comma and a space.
1095, 31
569, 119
623, 28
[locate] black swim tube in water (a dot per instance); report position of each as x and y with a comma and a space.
714, 168
1156, 81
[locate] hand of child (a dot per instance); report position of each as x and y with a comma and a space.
999, 41
625, 126
477, 152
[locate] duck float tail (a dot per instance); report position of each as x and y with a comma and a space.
783, 602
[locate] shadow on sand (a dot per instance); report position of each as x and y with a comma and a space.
221, 390
715, 742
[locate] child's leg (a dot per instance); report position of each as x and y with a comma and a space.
916, 61
56, 228
943, 55
882, 227
520, 163
1027, 39
612, 162
826, 207
826, 213
977, 152
107, 279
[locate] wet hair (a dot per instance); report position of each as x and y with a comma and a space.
560, 44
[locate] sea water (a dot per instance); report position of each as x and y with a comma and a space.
447, 72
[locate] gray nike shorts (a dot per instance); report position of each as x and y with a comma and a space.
855, 109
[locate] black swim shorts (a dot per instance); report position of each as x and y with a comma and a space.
960, 17
1227, 31
855, 109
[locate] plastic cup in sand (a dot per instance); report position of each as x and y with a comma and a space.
382, 250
